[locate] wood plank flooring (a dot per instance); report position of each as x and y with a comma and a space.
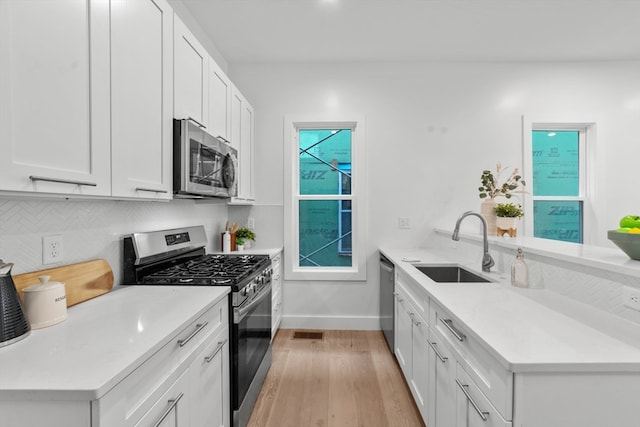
347, 379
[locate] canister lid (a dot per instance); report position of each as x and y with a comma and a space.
44, 285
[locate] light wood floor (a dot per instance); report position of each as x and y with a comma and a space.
347, 379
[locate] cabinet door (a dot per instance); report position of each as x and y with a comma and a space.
142, 90
210, 392
420, 361
54, 108
443, 386
191, 96
172, 408
403, 338
246, 152
473, 409
276, 302
242, 123
219, 102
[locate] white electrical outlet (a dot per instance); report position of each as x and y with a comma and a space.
404, 223
52, 249
251, 223
631, 297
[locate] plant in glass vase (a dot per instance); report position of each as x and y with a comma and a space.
493, 187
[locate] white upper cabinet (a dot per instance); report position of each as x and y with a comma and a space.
141, 98
242, 138
54, 107
219, 123
191, 79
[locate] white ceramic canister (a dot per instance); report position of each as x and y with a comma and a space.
45, 303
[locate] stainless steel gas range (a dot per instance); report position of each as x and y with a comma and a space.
178, 257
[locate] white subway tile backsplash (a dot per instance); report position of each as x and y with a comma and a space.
94, 228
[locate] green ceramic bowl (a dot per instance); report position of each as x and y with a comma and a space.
628, 242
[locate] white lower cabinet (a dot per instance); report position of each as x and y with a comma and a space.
276, 293
171, 409
209, 384
432, 354
442, 392
457, 382
412, 348
187, 380
473, 409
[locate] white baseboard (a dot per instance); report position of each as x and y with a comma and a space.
353, 323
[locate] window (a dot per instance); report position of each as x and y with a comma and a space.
556, 162
324, 200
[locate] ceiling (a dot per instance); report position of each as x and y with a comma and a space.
411, 30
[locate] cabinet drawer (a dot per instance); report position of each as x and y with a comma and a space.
473, 407
134, 396
417, 296
495, 381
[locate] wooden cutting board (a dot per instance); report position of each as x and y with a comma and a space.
82, 281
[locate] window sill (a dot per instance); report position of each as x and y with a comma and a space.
602, 258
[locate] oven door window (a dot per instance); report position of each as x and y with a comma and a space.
253, 334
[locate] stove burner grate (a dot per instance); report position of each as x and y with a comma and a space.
209, 270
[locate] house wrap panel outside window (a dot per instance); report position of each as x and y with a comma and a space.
559, 163
324, 200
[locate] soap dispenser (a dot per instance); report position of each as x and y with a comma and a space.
519, 271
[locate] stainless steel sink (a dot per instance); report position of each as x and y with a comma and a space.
450, 274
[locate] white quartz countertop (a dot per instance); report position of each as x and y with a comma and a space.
101, 342
529, 330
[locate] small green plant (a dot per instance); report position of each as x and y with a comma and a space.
239, 242
245, 234
508, 210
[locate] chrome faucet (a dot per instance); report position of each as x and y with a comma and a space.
487, 261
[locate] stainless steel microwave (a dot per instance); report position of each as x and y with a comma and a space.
203, 165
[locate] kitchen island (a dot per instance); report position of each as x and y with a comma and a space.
118, 358
492, 353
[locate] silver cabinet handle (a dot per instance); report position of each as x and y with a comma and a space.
449, 324
483, 414
151, 190
440, 356
199, 327
63, 181
221, 344
191, 119
413, 319
172, 404
224, 139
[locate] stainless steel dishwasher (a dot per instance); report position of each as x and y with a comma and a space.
386, 299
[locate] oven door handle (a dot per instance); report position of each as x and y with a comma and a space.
240, 312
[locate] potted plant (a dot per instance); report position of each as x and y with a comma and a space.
507, 215
245, 235
492, 188
239, 244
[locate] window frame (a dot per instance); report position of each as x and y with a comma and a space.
341, 250
292, 123
587, 160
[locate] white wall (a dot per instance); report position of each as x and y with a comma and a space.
431, 130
